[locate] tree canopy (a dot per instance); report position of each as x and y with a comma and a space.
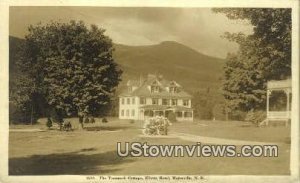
70, 66
262, 56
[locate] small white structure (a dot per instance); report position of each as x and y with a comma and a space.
282, 115
154, 96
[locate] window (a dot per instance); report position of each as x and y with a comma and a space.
154, 89
179, 114
188, 114
132, 112
186, 102
128, 100
129, 88
174, 101
172, 89
142, 101
122, 113
155, 101
165, 101
133, 100
127, 112
122, 100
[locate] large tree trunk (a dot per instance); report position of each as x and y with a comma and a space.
80, 126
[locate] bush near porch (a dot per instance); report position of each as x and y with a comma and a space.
255, 116
156, 126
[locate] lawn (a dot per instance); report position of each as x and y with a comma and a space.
235, 130
93, 151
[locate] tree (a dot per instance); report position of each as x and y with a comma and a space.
21, 103
71, 66
203, 103
262, 56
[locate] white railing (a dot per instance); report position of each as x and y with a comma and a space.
279, 114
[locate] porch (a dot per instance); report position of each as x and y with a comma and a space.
279, 101
181, 113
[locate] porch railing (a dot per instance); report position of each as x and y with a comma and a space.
278, 114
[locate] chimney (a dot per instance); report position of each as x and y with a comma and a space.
141, 80
160, 77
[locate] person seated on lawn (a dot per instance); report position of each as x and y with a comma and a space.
67, 126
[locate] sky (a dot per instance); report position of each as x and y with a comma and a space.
198, 28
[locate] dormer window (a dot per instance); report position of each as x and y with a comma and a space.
154, 89
155, 86
173, 89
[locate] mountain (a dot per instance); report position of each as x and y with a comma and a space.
193, 70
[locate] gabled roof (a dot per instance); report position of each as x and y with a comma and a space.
156, 83
133, 83
173, 83
143, 90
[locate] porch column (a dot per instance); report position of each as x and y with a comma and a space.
192, 115
268, 103
287, 92
141, 114
182, 115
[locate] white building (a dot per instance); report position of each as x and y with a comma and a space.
154, 96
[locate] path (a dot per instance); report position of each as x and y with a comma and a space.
214, 140
26, 130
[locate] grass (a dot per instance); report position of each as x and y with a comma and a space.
93, 151
235, 130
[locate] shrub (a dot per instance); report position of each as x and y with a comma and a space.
49, 123
255, 116
156, 126
80, 119
219, 112
92, 120
86, 120
206, 112
238, 115
172, 117
104, 120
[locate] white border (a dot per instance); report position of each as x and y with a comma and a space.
4, 39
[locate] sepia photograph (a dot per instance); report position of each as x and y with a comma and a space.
153, 93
